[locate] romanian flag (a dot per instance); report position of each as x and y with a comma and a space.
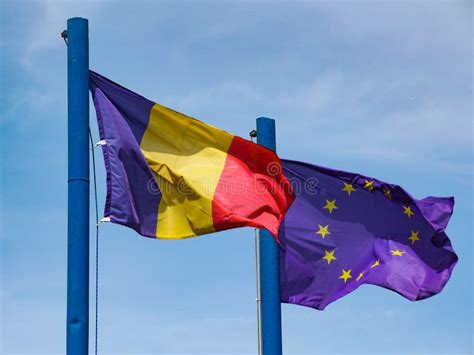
170, 176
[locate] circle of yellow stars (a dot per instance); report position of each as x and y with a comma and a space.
323, 231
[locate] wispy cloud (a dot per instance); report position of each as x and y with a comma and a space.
48, 24
357, 116
415, 25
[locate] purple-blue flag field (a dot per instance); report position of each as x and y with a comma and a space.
344, 230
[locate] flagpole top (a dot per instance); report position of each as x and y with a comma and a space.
77, 19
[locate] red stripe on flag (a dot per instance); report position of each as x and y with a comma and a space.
252, 190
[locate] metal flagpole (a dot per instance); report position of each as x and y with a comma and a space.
268, 266
78, 187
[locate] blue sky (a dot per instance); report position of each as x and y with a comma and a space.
381, 88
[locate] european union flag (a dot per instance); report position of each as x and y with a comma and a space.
344, 230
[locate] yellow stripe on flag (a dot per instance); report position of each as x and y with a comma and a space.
187, 158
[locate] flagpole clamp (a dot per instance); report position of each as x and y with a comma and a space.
100, 143
103, 220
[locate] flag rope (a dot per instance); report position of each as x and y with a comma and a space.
253, 134
96, 246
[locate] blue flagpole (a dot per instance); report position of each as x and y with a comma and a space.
269, 266
77, 337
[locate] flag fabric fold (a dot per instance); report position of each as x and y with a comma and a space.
344, 230
170, 176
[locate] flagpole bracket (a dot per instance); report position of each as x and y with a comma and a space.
100, 143
64, 36
103, 220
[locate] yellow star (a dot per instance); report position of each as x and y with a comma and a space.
323, 230
331, 205
348, 188
329, 256
414, 237
360, 276
346, 275
407, 210
369, 185
376, 263
397, 252
387, 193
